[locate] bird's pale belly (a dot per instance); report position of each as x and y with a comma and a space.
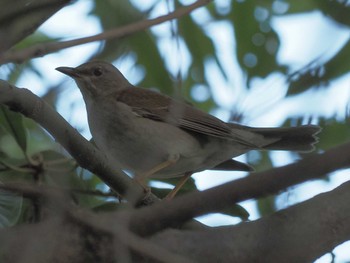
140, 151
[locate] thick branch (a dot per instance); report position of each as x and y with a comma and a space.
24, 101
20, 18
149, 220
301, 233
40, 50
58, 207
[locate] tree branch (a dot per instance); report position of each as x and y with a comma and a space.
301, 233
147, 221
21, 19
58, 206
40, 50
88, 156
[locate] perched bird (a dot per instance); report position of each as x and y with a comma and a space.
154, 135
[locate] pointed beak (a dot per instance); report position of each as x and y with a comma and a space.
72, 72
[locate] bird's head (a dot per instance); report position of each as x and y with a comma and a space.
96, 78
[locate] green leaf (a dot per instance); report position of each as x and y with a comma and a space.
333, 133
59, 170
12, 162
35, 38
267, 205
296, 7
237, 211
189, 186
337, 10
320, 75
160, 192
9, 146
38, 139
12, 122
10, 208
11, 169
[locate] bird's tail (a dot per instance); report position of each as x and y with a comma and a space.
300, 138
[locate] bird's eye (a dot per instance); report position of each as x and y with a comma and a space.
97, 72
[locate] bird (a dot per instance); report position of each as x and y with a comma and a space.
153, 135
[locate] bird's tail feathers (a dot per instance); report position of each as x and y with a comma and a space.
301, 139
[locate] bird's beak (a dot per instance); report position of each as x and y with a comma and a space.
72, 72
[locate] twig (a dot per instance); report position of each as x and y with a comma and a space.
30, 190
40, 50
16, 168
35, 191
299, 233
94, 192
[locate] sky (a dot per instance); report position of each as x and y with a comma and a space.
317, 30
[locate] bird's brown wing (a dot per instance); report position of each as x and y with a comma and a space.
155, 106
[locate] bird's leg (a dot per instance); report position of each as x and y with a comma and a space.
141, 179
178, 186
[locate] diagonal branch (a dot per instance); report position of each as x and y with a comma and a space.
40, 50
149, 220
300, 233
88, 156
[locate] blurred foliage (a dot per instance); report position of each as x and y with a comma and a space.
20, 18
201, 48
336, 10
28, 153
113, 14
257, 42
10, 208
267, 205
334, 133
318, 74
12, 123
12, 72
